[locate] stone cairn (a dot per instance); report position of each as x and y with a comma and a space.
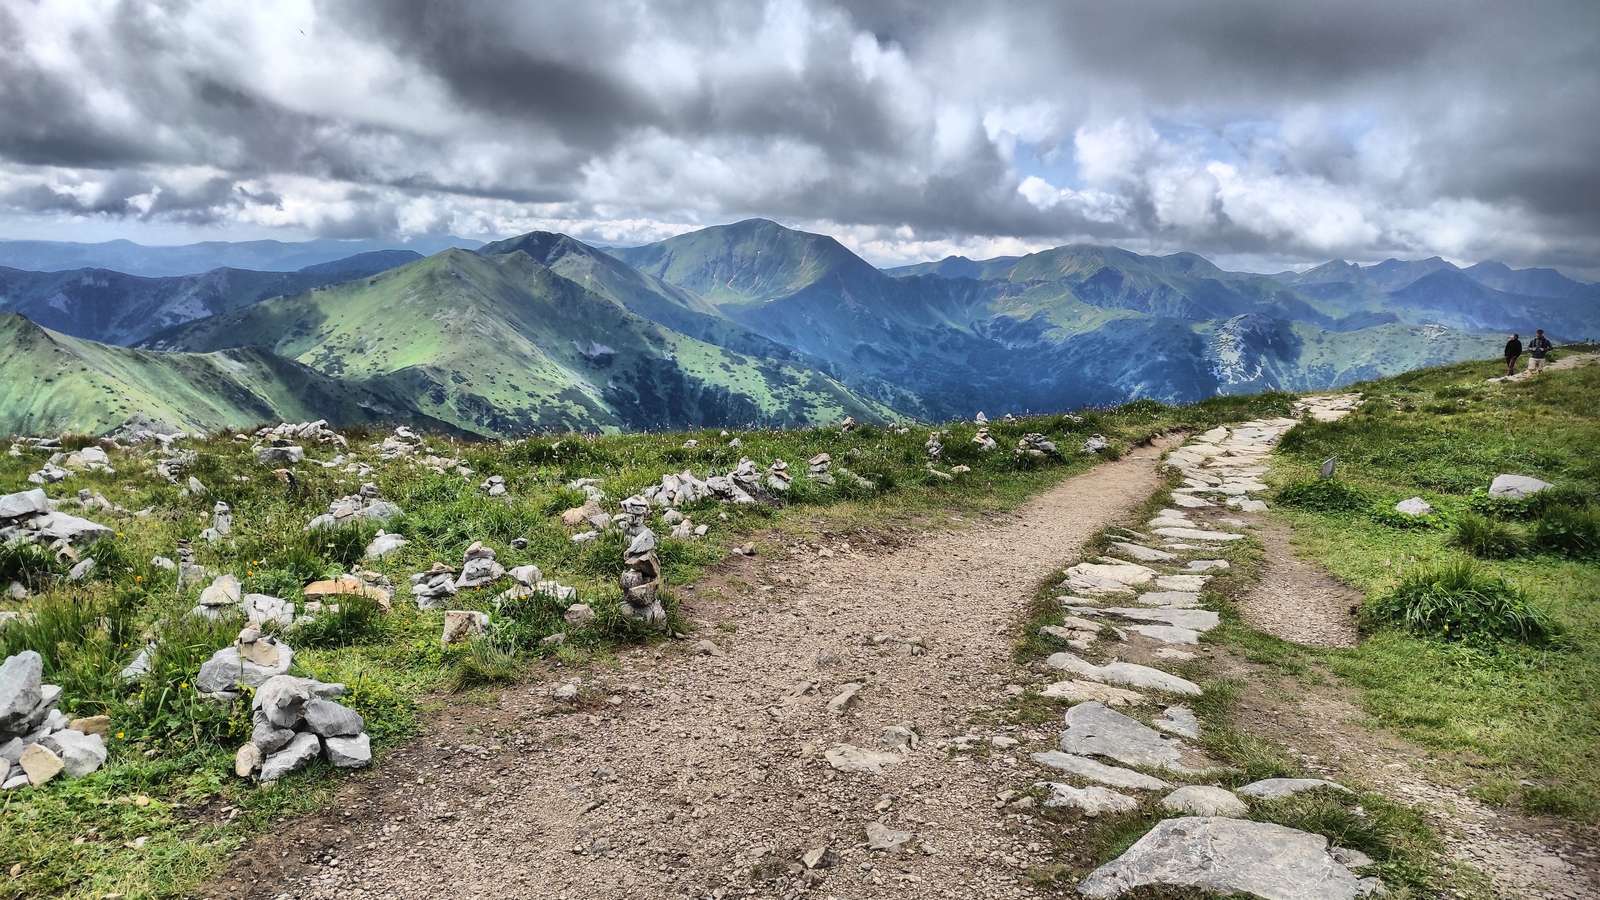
983, 439
431, 588
934, 447
817, 468
778, 479
37, 741
366, 503
479, 567
847, 425
632, 518
494, 486
27, 517
1035, 446
221, 523
294, 721
246, 663
171, 468
641, 580
1095, 443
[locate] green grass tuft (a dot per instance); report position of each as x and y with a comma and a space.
1459, 602
1487, 538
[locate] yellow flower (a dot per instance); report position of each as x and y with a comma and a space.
182, 685
121, 735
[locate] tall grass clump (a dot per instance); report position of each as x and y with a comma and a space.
1459, 602
1487, 538
350, 619
1572, 531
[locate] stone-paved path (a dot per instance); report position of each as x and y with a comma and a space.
819, 716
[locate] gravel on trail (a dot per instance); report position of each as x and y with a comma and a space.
687, 773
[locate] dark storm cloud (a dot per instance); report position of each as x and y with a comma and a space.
1354, 128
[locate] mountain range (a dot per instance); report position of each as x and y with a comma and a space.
187, 259
750, 323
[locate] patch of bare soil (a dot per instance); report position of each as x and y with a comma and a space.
699, 769
1297, 600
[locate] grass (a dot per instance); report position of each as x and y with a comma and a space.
169, 772
1459, 601
1515, 721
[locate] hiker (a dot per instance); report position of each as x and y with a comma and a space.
1513, 350
1537, 348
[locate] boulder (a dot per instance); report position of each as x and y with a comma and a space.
21, 689
326, 718
1414, 506
1516, 487
1230, 856
24, 504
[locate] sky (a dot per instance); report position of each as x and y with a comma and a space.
1265, 135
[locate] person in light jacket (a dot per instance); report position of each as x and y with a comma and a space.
1537, 348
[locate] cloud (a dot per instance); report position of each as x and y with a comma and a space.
1282, 131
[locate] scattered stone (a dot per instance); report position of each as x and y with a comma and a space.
852, 759
1230, 856
1091, 801
900, 737
846, 696
1414, 506
1131, 674
1203, 800
280, 454
578, 615
80, 754
1084, 767
1275, 788
1142, 553
100, 725
463, 624
494, 486
1107, 578
819, 858
1197, 534
1179, 720
882, 837
247, 759
1205, 565
1516, 487
384, 544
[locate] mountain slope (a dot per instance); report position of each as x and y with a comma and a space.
500, 344
51, 382
113, 307
189, 259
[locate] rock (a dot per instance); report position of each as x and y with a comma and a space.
1170, 599
282, 699
24, 504
1414, 506
100, 725
882, 837
494, 486
1197, 534
1193, 619
349, 752
1352, 859
462, 624
479, 567
140, 666
40, 763
80, 754
1205, 565
900, 737
853, 759
1094, 444
223, 592
1091, 801
1203, 800
267, 737
819, 858
1084, 767
280, 455
1107, 578
247, 759
707, 648
1093, 729
1079, 691
1142, 553
82, 570
263, 609
247, 663
1179, 720
1181, 582
384, 544
567, 692
846, 696
430, 589
578, 615
1230, 856
1130, 674
1516, 487
21, 690
1274, 788
325, 718
297, 755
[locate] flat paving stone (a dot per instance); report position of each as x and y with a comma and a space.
1084, 767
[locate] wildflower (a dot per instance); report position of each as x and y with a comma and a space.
183, 685
121, 735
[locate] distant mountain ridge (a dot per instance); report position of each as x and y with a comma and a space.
753, 323
191, 259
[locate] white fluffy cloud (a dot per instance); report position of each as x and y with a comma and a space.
1242, 129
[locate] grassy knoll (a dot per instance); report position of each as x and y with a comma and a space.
1519, 716
166, 809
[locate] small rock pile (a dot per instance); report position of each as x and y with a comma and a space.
247, 662
778, 479
641, 580
479, 567
530, 582
429, 589
366, 503
934, 447
316, 432
179, 463
403, 442
817, 468
1036, 446
494, 486
1095, 443
37, 741
296, 720
221, 523
983, 439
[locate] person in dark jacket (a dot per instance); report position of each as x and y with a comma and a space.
1537, 348
1513, 350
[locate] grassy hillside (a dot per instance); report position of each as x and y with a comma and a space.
1518, 723
51, 383
500, 344
147, 819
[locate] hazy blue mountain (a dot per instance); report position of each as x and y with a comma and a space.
188, 259
116, 308
955, 267
1533, 282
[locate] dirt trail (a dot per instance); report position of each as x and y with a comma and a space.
1298, 600
695, 774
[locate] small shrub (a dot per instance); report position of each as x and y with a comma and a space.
30, 564
1385, 514
1486, 538
342, 544
1568, 531
1324, 495
1459, 602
